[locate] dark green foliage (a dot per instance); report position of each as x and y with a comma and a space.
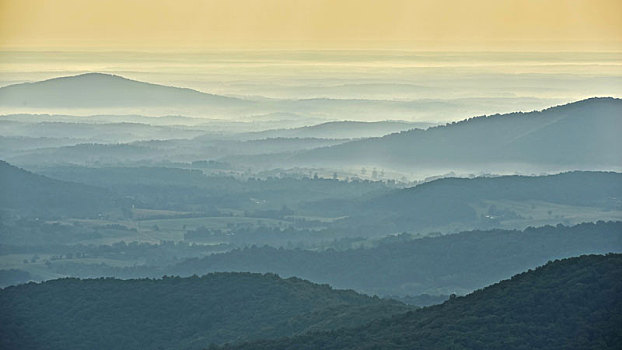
175, 313
569, 304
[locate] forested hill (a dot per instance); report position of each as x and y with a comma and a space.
588, 188
454, 200
584, 133
30, 194
569, 304
176, 313
456, 263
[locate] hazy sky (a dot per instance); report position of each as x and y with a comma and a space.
418, 25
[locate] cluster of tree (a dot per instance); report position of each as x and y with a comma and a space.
569, 304
176, 313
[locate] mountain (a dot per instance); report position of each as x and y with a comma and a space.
26, 193
569, 304
93, 90
486, 200
455, 263
176, 313
580, 134
400, 266
87, 154
169, 188
115, 132
341, 130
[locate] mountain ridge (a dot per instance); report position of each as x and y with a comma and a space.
33, 194
565, 304
558, 135
176, 313
344, 129
404, 265
105, 90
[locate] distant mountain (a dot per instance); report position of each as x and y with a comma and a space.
26, 193
86, 153
117, 132
97, 90
475, 201
568, 304
342, 130
456, 204
580, 134
138, 152
176, 313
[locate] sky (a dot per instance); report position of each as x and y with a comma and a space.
324, 24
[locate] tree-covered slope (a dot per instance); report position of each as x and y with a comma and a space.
569, 304
577, 187
25, 193
456, 263
175, 313
189, 189
584, 133
452, 201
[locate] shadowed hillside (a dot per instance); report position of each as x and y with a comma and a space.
457, 263
26, 193
584, 133
569, 304
484, 200
175, 313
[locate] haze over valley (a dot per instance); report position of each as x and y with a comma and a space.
316, 175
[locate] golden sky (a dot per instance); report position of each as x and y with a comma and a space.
241, 24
